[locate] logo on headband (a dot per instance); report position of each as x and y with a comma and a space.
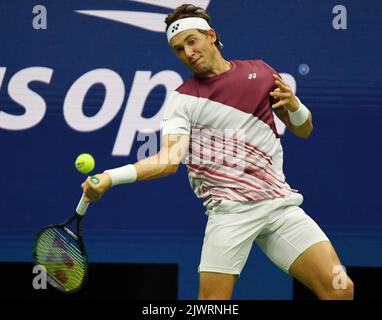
175, 27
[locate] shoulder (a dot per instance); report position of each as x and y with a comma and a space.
259, 64
189, 87
267, 66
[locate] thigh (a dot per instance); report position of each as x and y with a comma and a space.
316, 267
288, 236
229, 237
226, 248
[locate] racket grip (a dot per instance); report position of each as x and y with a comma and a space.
82, 206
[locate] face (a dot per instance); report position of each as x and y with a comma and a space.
196, 50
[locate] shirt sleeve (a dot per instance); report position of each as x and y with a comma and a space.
176, 118
269, 68
272, 71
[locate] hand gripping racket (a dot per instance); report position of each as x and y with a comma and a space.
62, 252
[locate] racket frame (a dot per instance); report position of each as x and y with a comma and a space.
77, 238
78, 216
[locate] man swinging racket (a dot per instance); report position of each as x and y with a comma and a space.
222, 118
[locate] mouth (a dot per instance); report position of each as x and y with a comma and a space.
195, 61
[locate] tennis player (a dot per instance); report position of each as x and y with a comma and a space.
221, 122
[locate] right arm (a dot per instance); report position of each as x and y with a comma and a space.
164, 163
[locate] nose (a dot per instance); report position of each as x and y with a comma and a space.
189, 52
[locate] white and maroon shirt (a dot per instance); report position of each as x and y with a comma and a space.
235, 152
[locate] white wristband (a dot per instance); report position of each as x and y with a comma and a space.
299, 117
125, 174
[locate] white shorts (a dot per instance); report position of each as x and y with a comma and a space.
279, 226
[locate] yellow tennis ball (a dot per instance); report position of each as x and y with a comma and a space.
85, 163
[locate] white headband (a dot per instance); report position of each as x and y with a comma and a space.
185, 24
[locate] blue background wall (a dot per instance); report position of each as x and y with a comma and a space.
337, 169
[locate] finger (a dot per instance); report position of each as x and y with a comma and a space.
89, 185
280, 95
280, 82
87, 199
91, 197
277, 77
92, 191
272, 93
282, 85
280, 104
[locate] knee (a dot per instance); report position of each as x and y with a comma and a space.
344, 292
348, 292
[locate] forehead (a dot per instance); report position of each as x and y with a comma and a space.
181, 36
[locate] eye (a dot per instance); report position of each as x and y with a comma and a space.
191, 41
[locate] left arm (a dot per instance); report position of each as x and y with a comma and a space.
289, 110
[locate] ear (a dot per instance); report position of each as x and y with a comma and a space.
212, 35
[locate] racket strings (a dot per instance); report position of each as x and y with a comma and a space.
62, 258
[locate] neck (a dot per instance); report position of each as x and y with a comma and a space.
218, 66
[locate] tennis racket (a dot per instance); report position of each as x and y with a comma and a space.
62, 253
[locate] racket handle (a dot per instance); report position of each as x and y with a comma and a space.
82, 206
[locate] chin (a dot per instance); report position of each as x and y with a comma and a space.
201, 71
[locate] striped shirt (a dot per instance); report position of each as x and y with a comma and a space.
235, 151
